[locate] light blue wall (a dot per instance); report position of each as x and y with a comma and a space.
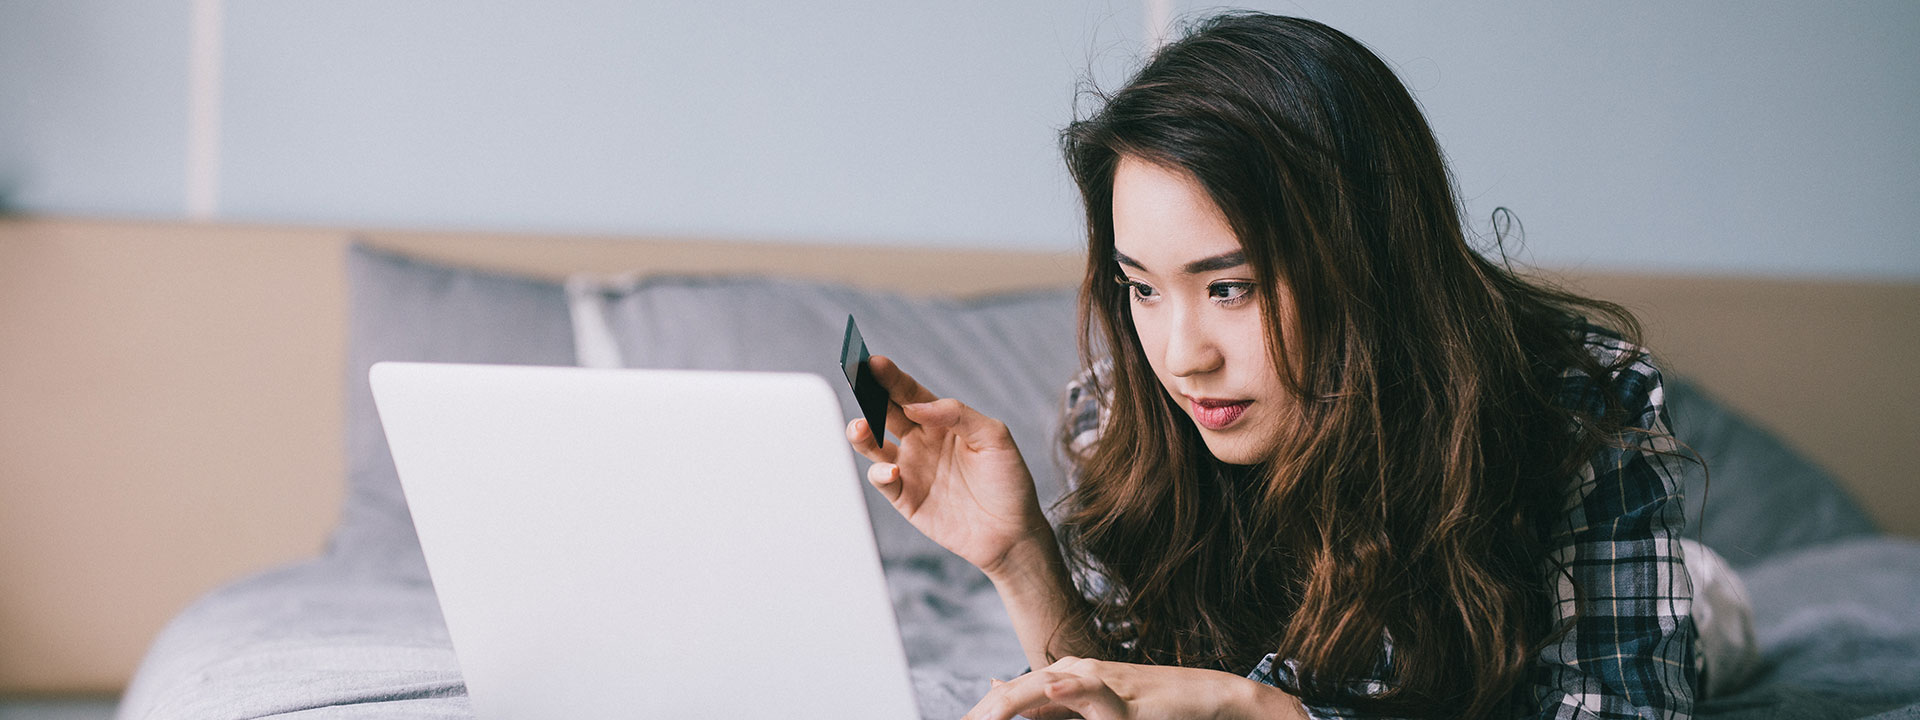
1779, 138
1776, 138
884, 122
93, 106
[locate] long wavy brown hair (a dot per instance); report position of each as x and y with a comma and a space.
1429, 459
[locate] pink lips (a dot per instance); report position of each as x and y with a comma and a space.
1217, 414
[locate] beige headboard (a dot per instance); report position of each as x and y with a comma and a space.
170, 395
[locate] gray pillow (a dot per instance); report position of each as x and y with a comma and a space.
1009, 356
1761, 498
404, 309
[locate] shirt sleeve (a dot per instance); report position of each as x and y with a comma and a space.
1271, 669
1629, 652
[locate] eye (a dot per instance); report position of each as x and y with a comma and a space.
1229, 293
1139, 291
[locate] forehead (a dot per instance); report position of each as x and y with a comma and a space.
1162, 217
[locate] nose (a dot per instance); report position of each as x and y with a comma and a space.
1190, 348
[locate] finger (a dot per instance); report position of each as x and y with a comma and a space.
1063, 662
1066, 665
862, 441
901, 387
1082, 695
1014, 697
984, 709
1053, 711
979, 431
886, 478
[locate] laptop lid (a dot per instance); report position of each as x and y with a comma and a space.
653, 543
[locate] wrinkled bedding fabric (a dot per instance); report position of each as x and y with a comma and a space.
1839, 627
344, 638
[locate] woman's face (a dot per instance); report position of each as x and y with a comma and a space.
1196, 310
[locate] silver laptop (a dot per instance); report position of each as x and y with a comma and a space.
638, 543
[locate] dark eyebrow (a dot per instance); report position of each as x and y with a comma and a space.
1222, 261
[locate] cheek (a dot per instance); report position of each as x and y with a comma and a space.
1253, 345
1153, 340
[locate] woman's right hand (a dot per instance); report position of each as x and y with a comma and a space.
955, 474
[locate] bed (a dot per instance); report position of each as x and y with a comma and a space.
356, 633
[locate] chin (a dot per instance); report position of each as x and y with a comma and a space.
1228, 451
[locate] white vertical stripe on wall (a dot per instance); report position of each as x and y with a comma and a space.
203, 110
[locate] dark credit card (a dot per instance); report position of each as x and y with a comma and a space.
866, 390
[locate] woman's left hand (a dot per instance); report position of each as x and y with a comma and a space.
1099, 690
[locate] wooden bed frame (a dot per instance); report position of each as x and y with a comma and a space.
171, 412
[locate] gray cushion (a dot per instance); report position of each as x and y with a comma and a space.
1009, 356
1761, 497
1839, 630
404, 309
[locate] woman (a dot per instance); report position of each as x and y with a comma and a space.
1336, 462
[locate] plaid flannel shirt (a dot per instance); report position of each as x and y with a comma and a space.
1630, 652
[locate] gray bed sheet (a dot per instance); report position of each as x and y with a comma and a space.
1839, 626
342, 637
